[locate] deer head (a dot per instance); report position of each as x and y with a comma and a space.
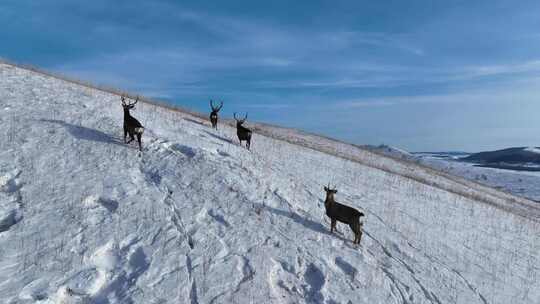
128, 106
239, 122
214, 108
330, 192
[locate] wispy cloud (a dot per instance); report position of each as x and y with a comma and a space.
510, 93
502, 69
257, 57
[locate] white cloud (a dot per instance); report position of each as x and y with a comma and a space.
512, 92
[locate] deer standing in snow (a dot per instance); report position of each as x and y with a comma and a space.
243, 132
345, 214
214, 114
131, 125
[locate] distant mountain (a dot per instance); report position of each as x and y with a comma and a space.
519, 155
452, 155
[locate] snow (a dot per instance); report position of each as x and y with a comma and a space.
522, 183
391, 151
198, 219
533, 150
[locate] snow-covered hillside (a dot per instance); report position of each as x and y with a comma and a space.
198, 219
391, 151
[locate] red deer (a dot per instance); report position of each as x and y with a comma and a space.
243, 132
345, 214
131, 125
214, 114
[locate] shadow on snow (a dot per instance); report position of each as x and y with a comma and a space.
84, 133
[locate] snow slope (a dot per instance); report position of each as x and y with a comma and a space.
198, 219
391, 151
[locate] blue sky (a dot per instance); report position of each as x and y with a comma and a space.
420, 75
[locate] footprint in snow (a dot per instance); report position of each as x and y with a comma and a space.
8, 218
9, 182
94, 201
35, 290
186, 150
10, 209
118, 269
223, 153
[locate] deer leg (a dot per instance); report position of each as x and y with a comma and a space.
359, 232
125, 134
131, 138
332, 225
355, 231
139, 140
248, 143
356, 228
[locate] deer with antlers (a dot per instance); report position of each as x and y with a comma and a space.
243, 132
131, 125
340, 213
214, 114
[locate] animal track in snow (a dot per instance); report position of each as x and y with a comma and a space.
94, 201
285, 285
218, 218
113, 270
10, 182
9, 218
10, 200
223, 153
35, 290
179, 148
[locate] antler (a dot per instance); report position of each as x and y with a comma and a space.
123, 99
240, 120
329, 187
214, 108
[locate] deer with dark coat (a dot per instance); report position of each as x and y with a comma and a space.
214, 114
131, 125
242, 132
340, 213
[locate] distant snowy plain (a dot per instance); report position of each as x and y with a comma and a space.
521, 183
198, 219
